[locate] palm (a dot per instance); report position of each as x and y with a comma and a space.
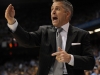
9, 14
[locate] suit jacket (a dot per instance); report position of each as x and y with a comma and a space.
45, 37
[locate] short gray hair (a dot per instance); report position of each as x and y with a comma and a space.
67, 4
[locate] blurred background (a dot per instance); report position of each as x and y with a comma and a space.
16, 60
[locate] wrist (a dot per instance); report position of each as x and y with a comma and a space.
10, 22
69, 57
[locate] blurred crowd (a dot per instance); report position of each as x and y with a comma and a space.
19, 67
96, 69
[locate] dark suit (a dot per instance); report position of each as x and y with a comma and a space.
45, 37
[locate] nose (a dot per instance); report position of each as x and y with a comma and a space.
53, 12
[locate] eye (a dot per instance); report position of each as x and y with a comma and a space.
57, 8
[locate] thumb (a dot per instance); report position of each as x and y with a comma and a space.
59, 49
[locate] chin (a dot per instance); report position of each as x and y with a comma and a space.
56, 25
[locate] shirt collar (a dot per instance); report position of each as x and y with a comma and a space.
65, 27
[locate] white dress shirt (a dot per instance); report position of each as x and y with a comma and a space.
63, 33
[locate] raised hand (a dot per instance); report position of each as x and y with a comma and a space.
9, 14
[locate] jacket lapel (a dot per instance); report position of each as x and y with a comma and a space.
70, 37
52, 38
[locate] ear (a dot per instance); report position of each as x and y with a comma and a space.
68, 14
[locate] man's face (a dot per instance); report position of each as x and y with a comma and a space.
59, 15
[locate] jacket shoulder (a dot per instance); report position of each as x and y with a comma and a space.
46, 26
80, 30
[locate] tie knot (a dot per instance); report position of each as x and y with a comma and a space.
59, 30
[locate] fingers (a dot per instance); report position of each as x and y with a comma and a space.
7, 11
8, 8
56, 53
59, 49
60, 58
9, 14
60, 55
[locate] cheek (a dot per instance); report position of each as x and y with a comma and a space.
65, 17
62, 18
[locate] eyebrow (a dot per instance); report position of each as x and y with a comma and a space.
56, 6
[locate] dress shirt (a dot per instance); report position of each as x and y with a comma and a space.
64, 33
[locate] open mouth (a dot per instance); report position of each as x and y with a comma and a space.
55, 18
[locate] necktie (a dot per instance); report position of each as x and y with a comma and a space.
58, 66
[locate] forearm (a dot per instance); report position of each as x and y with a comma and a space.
23, 37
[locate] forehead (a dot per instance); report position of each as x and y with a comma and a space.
57, 4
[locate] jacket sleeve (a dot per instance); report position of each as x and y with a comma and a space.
27, 39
